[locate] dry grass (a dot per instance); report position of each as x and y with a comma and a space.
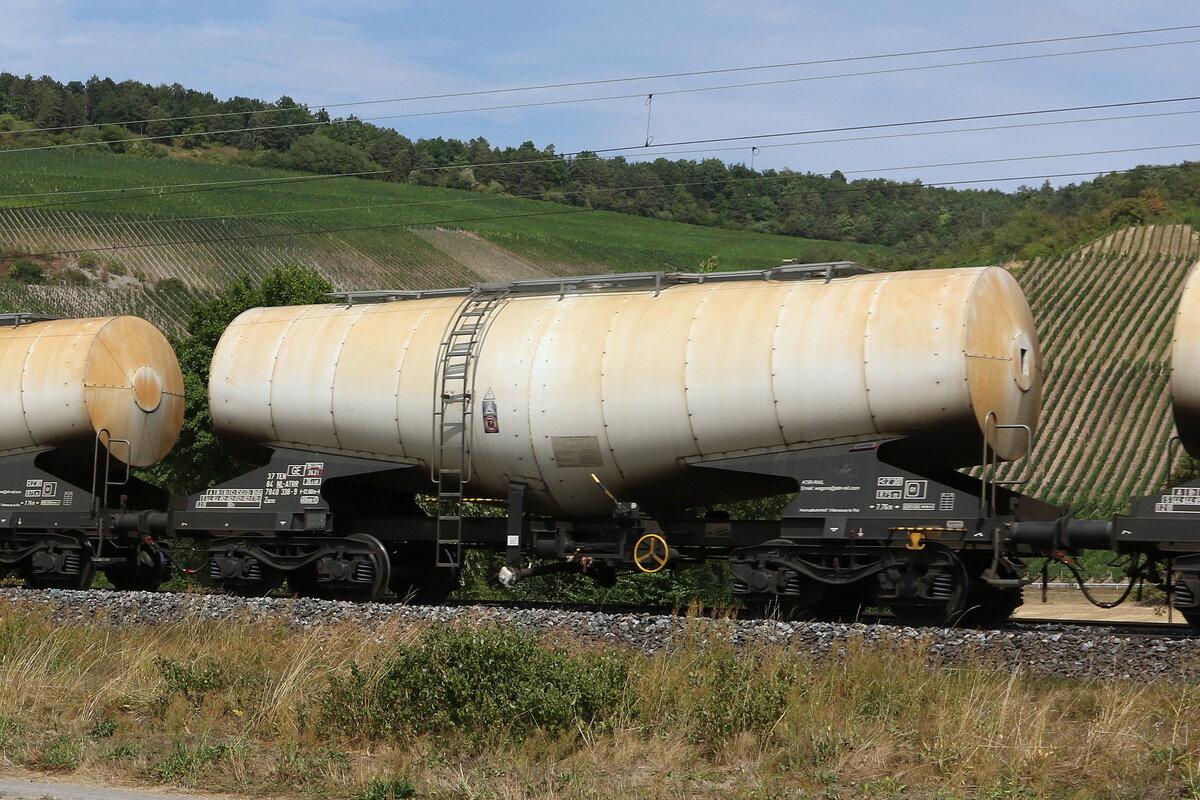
251, 709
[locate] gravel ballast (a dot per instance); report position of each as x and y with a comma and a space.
1077, 654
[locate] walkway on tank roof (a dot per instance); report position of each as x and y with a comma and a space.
629, 280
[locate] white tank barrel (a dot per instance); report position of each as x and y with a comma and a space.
1185, 364
634, 383
65, 381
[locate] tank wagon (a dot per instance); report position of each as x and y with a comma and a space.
82, 402
607, 414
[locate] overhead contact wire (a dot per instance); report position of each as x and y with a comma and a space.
546, 103
586, 154
603, 81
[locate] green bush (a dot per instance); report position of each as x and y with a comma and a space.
61, 754
26, 271
464, 681
388, 789
181, 761
191, 680
171, 285
734, 695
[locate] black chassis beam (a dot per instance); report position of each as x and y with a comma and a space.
42, 511
849, 500
1163, 526
856, 515
851, 492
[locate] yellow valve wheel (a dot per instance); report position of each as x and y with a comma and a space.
651, 553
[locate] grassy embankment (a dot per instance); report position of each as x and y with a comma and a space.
344, 711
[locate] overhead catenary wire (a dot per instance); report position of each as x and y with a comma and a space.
154, 191
631, 79
569, 101
592, 191
885, 125
499, 217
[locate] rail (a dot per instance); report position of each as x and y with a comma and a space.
23, 318
654, 281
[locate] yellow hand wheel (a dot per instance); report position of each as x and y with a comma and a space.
651, 553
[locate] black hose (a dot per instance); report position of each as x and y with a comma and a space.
1134, 574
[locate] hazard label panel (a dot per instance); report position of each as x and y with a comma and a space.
1180, 500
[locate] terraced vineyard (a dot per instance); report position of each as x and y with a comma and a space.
192, 228
167, 308
1104, 315
205, 223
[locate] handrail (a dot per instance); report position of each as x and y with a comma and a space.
990, 462
656, 281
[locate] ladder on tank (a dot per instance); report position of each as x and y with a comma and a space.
453, 415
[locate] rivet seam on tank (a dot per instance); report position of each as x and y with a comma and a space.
875, 295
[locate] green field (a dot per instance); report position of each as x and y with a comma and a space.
361, 218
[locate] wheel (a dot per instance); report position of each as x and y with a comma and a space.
989, 606
269, 581
370, 587
83, 580
952, 585
1191, 616
232, 570
843, 603
72, 568
415, 580
145, 574
804, 600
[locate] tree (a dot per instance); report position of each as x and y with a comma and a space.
199, 459
320, 154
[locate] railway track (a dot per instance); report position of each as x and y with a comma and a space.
1174, 630
1105, 627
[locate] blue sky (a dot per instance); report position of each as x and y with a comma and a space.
356, 50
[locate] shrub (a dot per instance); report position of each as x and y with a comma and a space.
61, 754
181, 761
388, 789
26, 271
471, 681
191, 680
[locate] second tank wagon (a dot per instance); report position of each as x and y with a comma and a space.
82, 402
633, 379
67, 381
603, 411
